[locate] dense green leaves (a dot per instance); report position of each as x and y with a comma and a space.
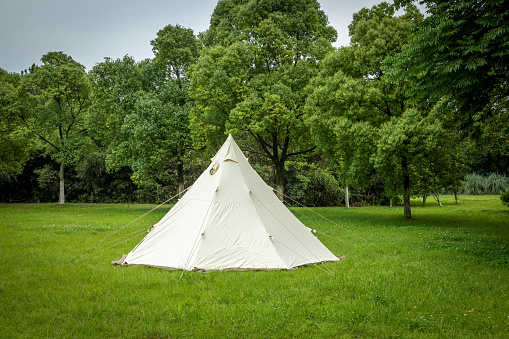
361, 119
175, 49
250, 79
460, 52
142, 111
390, 110
51, 104
15, 142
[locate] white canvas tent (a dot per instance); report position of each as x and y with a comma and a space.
229, 219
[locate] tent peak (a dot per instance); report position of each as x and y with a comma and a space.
229, 151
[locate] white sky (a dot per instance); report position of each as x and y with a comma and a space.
90, 30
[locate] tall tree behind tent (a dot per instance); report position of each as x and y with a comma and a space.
251, 76
53, 101
362, 118
176, 49
147, 128
460, 54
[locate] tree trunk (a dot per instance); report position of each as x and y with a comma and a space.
61, 198
279, 181
390, 202
456, 196
180, 176
407, 212
436, 195
423, 199
347, 198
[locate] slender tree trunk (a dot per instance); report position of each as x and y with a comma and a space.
347, 198
407, 212
180, 176
279, 181
423, 199
437, 198
61, 199
390, 202
456, 196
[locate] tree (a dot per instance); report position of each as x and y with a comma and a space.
250, 79
460, 54
360, 118
153, 139
115, 84
176, 49
417, 148
15, 143
52, 102
145, 108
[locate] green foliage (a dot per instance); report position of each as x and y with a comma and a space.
47, 179
251, 76
474, 184
436, 158
176, 49
115, 84
496, 183
460, 53
505, 198
15, 141
311, 185
478, 184
142, 115
358, 117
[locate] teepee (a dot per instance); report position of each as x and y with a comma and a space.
229, 219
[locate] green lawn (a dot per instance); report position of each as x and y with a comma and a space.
443, 274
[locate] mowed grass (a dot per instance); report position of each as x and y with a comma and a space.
443, 274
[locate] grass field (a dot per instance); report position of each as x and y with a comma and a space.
443, 274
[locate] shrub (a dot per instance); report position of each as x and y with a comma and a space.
496, 183
505, 198
476, 184
311, 185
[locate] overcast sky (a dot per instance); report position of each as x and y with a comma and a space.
90, 30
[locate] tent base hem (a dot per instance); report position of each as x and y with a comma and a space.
121, 262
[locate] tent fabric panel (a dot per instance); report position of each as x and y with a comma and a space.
236, 226
170, 243
256, 185
295, 243
231, 186
239, 258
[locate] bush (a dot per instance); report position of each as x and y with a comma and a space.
311, 185
496, 184
505, 198
476, 184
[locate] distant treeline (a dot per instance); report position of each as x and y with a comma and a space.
409, 108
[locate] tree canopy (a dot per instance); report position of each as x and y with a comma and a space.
146, 106
460, 54
52, 102
362, 119
406, 109
251, 76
